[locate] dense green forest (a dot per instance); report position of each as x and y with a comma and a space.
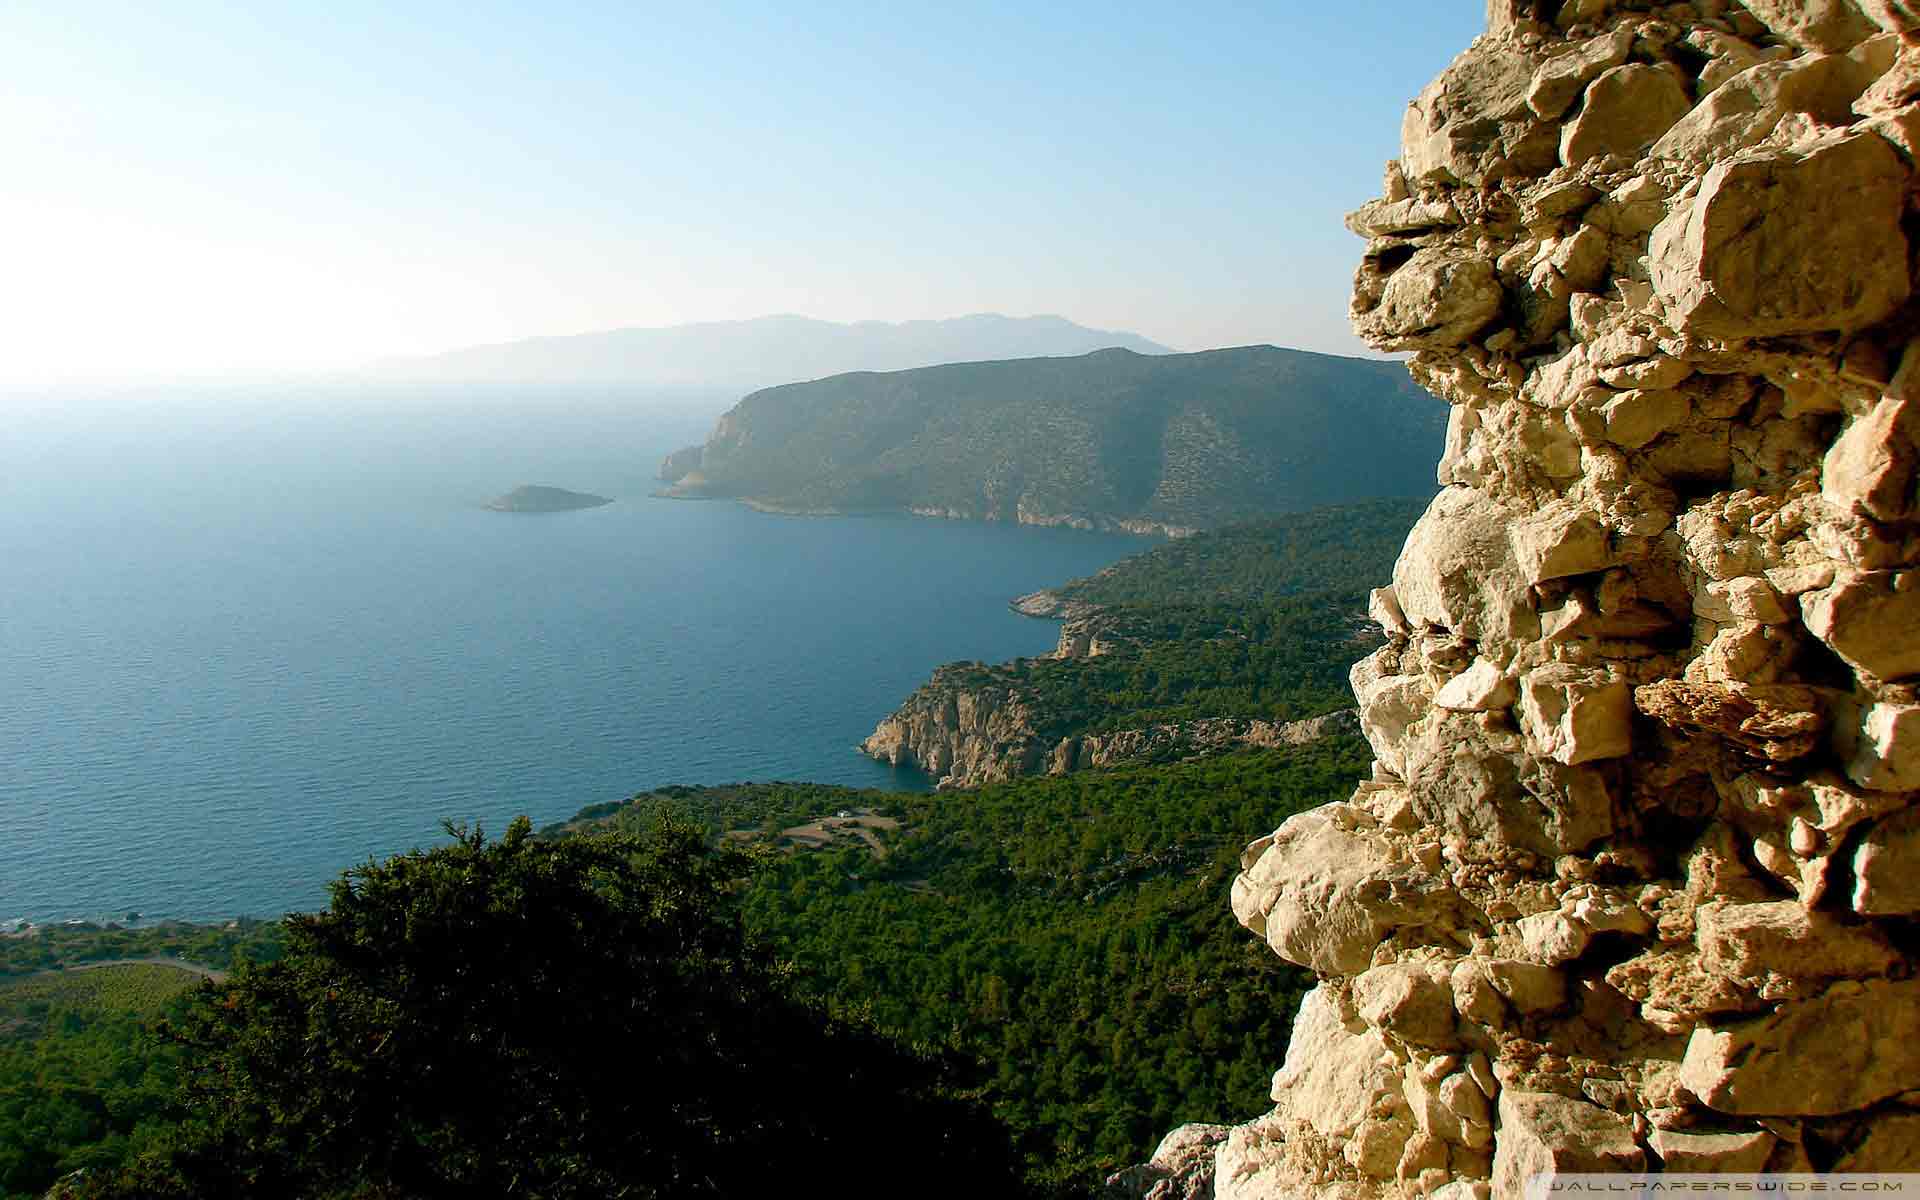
216, 946
82, 1082
1067, 937
577, 1017
1261, 620
1336, 548
1186, 440
1071, 934
1280, 661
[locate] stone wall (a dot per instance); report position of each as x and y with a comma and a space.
1635, 881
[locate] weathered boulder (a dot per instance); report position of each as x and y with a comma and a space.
1626, 110
1868, 619
1327, 887
1483, 687
1785, 242
1457, 571
1712, 1153
1778, 723
1560, 80
1745, 110
1412, 1001
1825, 25
1886, 867
1543, 1133
1334, 1079
1472, 124
1854, 1046
1871, 469
1575, 714
1436, 299
1773, 947
1181, 1167
1880, 745
1885, 1141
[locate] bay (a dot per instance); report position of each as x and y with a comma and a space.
250, 637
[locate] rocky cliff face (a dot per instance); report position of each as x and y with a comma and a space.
967, 737
1635, 882
968, 726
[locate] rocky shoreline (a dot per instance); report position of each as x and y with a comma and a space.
973, 738
964, 733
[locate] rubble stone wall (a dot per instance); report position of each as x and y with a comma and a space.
1635, 882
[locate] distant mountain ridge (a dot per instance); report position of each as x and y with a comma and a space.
1109, 440
763, 351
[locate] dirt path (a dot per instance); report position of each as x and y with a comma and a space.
862, 824
178, 964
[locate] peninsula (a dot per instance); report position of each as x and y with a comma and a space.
531, 498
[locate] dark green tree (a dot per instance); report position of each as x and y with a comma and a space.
549, 1018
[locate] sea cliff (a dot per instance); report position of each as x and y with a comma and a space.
971, 724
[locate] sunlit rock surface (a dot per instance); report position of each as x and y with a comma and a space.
1634, 883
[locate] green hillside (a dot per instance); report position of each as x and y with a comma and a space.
1344, 548
1179, 441
1070, 934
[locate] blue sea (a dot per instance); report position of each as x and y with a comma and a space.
251, 637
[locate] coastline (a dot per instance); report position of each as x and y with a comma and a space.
1137, 527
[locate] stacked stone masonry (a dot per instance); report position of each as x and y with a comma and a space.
1635, 882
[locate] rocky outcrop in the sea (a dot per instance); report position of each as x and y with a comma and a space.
1633, 885
533, 498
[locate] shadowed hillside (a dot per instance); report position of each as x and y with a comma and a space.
1110, 440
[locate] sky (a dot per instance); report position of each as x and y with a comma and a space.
199, 189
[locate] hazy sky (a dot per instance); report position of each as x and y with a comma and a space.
204, 187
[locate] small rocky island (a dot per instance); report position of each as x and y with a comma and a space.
530, 498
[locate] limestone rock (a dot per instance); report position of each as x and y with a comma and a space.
1885, 1141
1328, 888
1559, 81
1626, 110
1881, 746
1774, 946
1543, 1133
1457, 571
1181, 1167
1886, 868
1894, 16
1780, 242
1864, 1038
1636, 417
1638, 867
1778, 722
1410, 1001
1529, 986
1825, 25
1745, 111
1436, 299
1472, 124
1712, 1153
1871, 468
1869, 619
1573, 715
1334, 1079
1483, 687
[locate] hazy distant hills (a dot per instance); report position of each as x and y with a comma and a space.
1112, 439
763, 351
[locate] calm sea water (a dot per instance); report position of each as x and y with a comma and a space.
247, 640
